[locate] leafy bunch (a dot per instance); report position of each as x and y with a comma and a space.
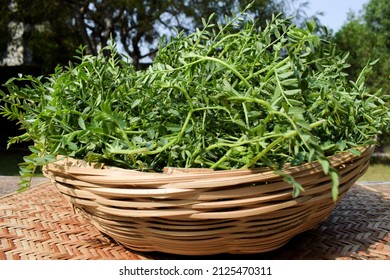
227, 96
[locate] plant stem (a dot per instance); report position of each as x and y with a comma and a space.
276, 142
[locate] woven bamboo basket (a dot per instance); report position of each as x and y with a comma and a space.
200, 211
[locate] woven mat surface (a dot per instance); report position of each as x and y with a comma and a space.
40, 224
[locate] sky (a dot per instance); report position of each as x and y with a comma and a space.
335, 11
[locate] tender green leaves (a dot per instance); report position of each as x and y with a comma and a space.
221, 98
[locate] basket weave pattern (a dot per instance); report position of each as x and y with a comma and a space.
200, 211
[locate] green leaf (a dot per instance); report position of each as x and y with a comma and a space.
296, 110
311, 26
289, 82
292, 92
81, 123
135, 103
34, 149
335, 183
173, 128
325, 165
342, 144
151, 133
304, 124
285, 74
138, 139
72, 146
355, 152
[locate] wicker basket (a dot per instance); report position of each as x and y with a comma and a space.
200, 211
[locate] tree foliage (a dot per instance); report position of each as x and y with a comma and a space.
49, 36
377, 18
367, 37
56, 28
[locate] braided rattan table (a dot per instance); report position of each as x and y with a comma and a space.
40, 224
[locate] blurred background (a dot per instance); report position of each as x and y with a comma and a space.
38, 35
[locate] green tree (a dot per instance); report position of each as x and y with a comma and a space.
377, 18
49, 36
56, 28
367, 37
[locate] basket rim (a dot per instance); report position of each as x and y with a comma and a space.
82, 167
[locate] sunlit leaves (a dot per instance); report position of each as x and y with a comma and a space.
218, 98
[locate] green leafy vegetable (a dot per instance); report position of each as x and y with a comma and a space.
225, 97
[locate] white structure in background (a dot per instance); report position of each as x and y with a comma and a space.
15, 50
16, 53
